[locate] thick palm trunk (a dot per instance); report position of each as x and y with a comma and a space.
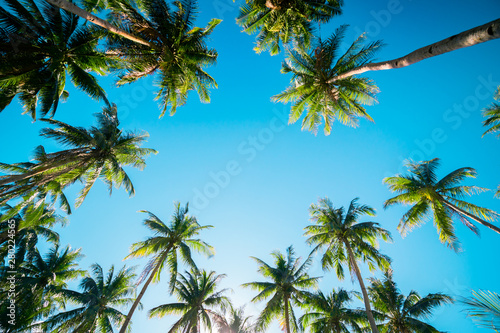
287, 316
471, 216
477, 35
68, 6
143, 291
366, 300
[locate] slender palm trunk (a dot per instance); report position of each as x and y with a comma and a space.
287, 316
369, 313
471, 216
143, 291
477, 35
68, 6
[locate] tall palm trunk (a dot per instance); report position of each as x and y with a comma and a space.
68, 6
369, 313
143, 291
287, 316
477, 35
471, 216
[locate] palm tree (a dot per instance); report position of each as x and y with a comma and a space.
400, 313
346, 241
178, 52
169, 241
426, 193
25, 228
330, 313
100, 296
100, 151
492, 113
39, 47
198, 299
484, 308
312, 91
39, 280
234, 322
281, 21
288, 287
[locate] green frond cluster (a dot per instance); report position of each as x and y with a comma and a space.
441, 198
284, 21
484, 308
39, 46
314, 89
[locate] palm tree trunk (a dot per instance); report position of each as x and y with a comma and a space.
471, 216
68, 6
143, 290
477, 35
287, 316
369, 313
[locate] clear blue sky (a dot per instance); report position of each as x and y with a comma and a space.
430, 109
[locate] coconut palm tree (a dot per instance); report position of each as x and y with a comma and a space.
282, 21
400, 313
330, 313
168, 243
198, 301
234, 322
484, 309
178, 53
422, 189
346, 241
98, 152
40, 45
24, 229
288, 287
38, 282
312, 92
101, 295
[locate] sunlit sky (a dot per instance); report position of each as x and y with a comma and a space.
276, 171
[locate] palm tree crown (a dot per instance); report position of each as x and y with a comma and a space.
39, 46
99, 152
282, 21
199, 300
178, 52
347, 241
288, 287
422, 189
403, 314
100, 295
313, 91
329, 313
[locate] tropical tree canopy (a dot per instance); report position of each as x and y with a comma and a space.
330, 313
198, 301
312, 90
399, 313
39, 46
177, 53
97, 303
484, 309
288, 286
422, 189
234, 321
168, 243
98, 152
284, 21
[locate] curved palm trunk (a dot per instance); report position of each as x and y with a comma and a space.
366, 300
68, 6
471, 216
143, 291
477, 35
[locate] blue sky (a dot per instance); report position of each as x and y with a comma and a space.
253, 177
